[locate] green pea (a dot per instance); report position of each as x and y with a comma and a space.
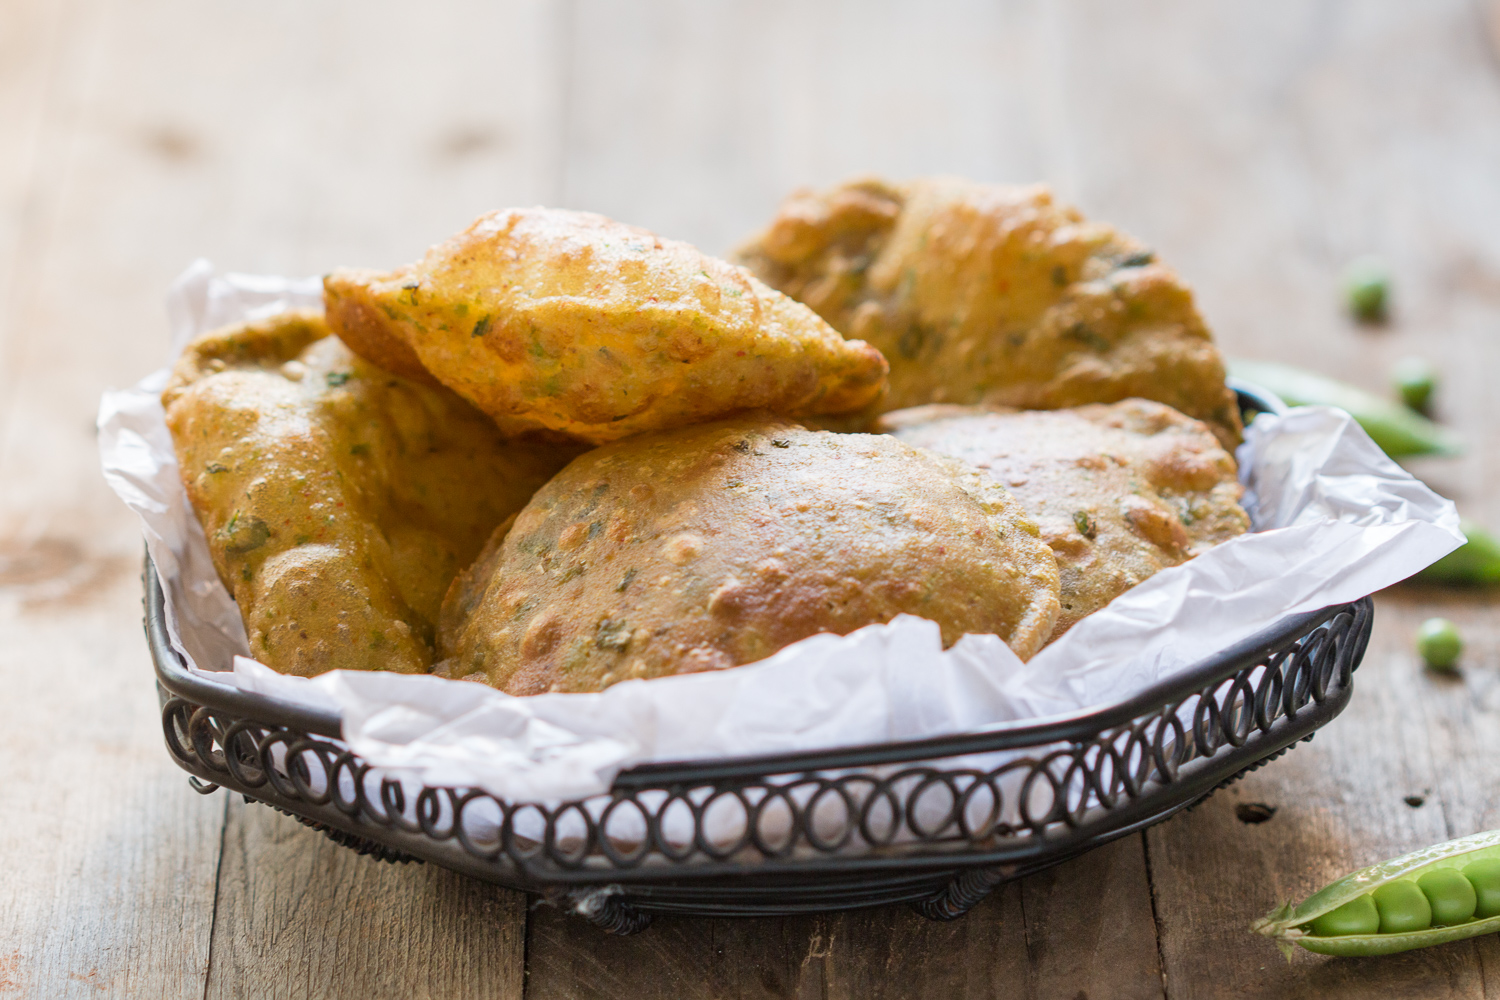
1415, 380
1439, 644
1358, 916
1402, 907
1450, 895
1367, 289
1484, 876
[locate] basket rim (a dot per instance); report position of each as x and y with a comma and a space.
174, 676
1083, 724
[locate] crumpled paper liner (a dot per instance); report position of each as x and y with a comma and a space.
1334, 519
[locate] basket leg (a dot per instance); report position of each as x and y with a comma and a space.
960, 896
605, 909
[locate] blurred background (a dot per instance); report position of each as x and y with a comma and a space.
1258, 145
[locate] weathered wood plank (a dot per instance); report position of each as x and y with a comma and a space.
299, 916
1084, 928
1090, 930
134, 138
683, 958
32, 51
311, 137
1260, 147
1339, 806
109, 858
697, 119
894, 953
887, 952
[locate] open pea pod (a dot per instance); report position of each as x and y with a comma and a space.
1432, 896
1475, 561
1397, 429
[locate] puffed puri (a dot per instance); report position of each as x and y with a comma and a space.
338, 500
717, 545
996, 295
571, 323
1120, 491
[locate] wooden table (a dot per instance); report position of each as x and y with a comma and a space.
1258, 145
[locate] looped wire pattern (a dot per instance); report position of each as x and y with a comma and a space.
960, 802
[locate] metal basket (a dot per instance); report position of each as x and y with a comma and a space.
936, 823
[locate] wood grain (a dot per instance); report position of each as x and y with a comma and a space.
887, 952
696, 119
1312, 135
683, 958
718, 113
108, 857
1090, 927
132, 139
299, 916
1339, 804
1257, 146
1082, 928
1261, 147
30, 54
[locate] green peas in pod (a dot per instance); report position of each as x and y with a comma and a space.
1432, 896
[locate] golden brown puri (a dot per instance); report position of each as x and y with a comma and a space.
572, 323
366, 330
1119, 491
717, 545
998, 295
339, 501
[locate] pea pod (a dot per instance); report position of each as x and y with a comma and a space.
1475, 561
1399, 430
1432, 896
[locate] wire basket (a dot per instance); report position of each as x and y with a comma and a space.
936, 823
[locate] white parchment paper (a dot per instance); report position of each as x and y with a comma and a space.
1334, 519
